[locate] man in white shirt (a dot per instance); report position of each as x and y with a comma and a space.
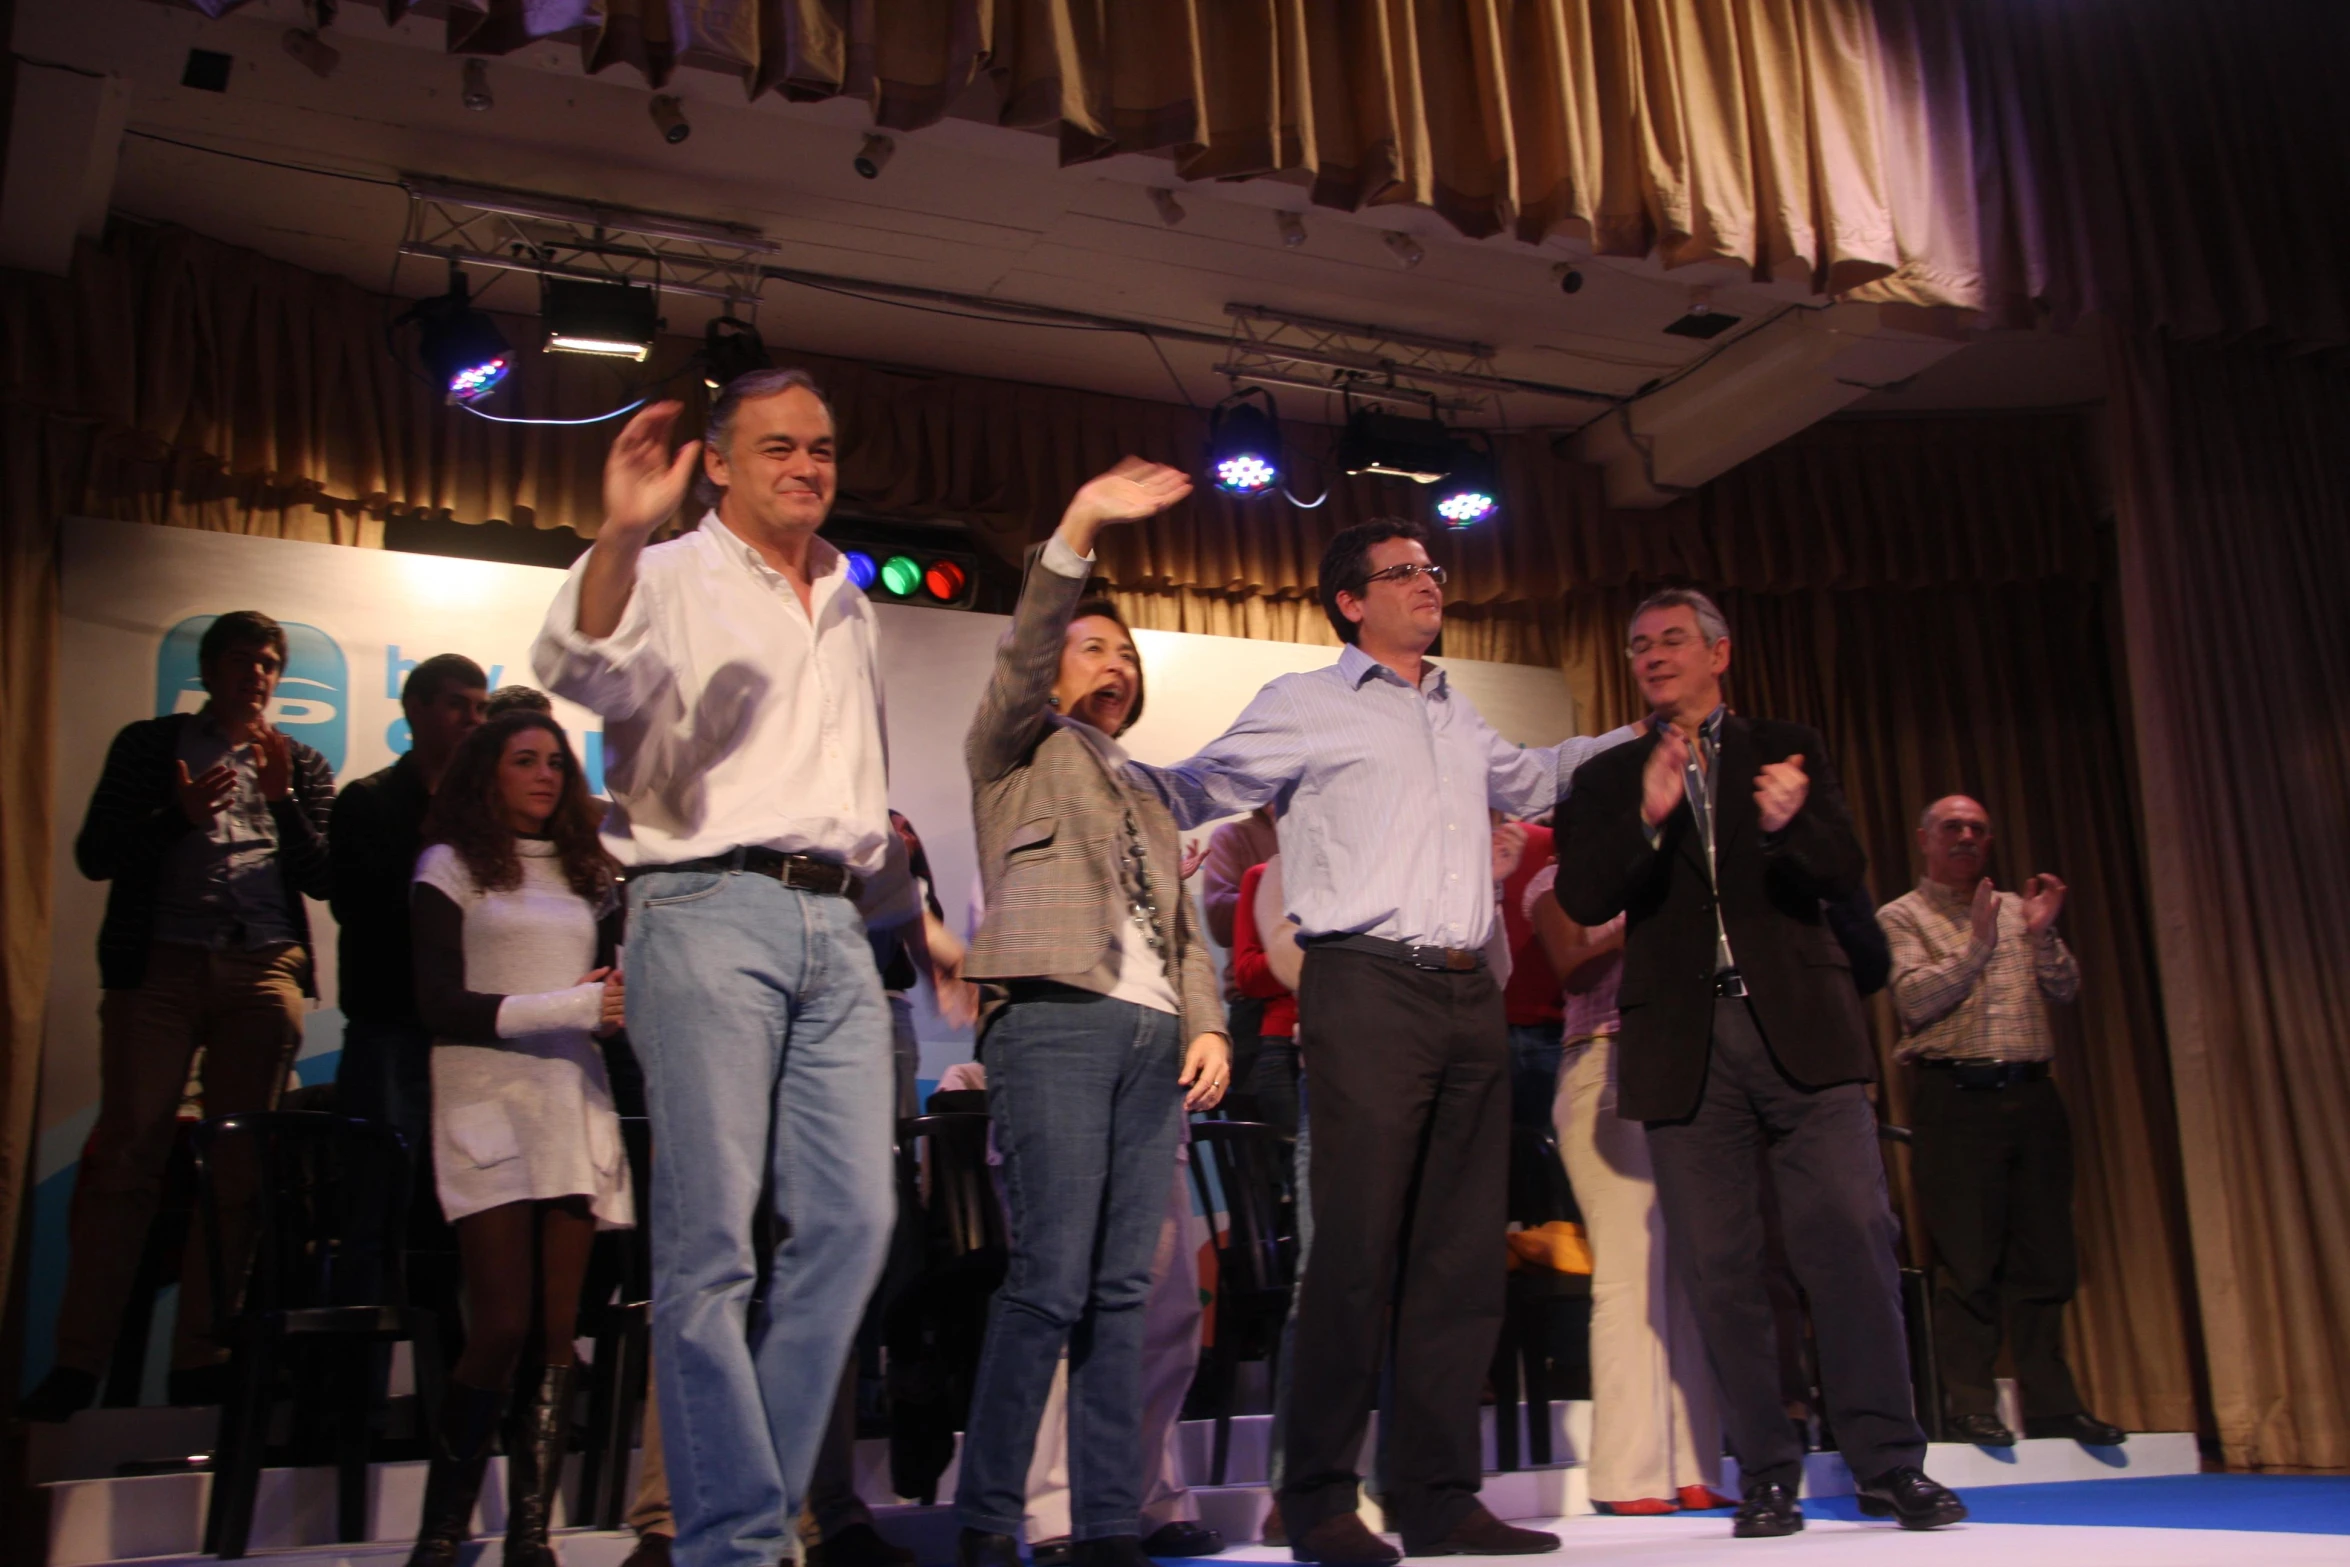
735, 670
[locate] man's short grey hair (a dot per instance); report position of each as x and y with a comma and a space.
742, 389
1711, 624
1926, 816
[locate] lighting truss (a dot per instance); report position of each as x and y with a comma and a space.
589, 242
1368, 363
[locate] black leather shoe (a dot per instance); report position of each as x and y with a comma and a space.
63, 1394
1115, 1550
978, 1548
1906, 1495
861, 1545
2083, 1428
1982, 1430
1050, 1553
1482, 1534
1183, 1537
652, 1550
1768, 1512
1341, 1541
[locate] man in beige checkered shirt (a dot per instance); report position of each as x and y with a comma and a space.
1974, 973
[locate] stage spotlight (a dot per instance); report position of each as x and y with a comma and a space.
862, 571
1170, 210
901, 575
874, 155
1292, 227
731, 348
944, 581
1470, 493
466, 353
313, 51
476, 93
1570, 277
669, 114
617, 320
1244, 444
1420, 450
1404, 248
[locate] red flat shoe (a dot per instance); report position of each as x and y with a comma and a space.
1642, 1507
1700, 1498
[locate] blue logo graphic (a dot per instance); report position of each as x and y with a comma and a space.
313, 700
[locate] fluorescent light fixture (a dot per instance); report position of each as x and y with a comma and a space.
616, 320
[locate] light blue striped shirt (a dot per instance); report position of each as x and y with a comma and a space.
1382, 794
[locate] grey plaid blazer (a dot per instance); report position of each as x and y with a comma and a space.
1051, 818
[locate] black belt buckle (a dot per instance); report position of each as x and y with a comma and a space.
1730, 985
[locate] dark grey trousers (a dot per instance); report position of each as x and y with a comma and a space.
1821, 1148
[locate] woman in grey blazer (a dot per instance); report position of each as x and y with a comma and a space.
1110, 1027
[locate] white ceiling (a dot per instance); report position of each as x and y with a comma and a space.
962, 206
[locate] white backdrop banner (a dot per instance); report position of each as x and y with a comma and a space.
137, 597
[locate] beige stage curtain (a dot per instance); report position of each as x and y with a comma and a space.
2234, 570
1815, 140
2173, 165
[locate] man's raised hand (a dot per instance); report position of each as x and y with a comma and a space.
643, 484
1779, 792
1661, 790
2043, 901
204, 796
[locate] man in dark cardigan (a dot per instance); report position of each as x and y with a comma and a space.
211, 828
1723, 838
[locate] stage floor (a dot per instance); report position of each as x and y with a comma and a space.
2171, 1521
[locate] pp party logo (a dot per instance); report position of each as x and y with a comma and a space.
313, 700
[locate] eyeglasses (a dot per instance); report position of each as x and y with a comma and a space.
1405, 573
1672, 641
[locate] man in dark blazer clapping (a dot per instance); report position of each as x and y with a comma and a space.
1720, 837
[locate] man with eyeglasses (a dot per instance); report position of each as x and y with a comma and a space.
1382, 776
1721, 838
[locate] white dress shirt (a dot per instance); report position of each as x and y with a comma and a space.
733, 716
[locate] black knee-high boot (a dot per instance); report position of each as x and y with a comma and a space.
535, 1446
460, 1452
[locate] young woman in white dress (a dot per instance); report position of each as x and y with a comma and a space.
516, 920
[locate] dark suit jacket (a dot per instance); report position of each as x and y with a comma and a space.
1797, 973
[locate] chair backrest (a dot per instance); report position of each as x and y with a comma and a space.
1539, 1189
945, 1165
1244, 1168
329, 1195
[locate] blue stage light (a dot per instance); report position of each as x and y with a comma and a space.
862, 570
1244, 445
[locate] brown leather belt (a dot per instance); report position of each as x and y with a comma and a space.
827, 878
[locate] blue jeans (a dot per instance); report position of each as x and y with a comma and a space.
1535, 1053
758, 1018
1087, 1113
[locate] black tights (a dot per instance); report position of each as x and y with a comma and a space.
524, 1265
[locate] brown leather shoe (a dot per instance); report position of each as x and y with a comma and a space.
1341, 1541
1482, 1534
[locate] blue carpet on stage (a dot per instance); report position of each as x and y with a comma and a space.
2276, 1504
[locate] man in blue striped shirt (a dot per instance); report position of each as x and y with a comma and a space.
1382, 776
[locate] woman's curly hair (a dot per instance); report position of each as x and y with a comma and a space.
468, 816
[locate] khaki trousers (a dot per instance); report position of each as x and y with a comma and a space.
1170, 1354
243, 1009
1654, 1427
